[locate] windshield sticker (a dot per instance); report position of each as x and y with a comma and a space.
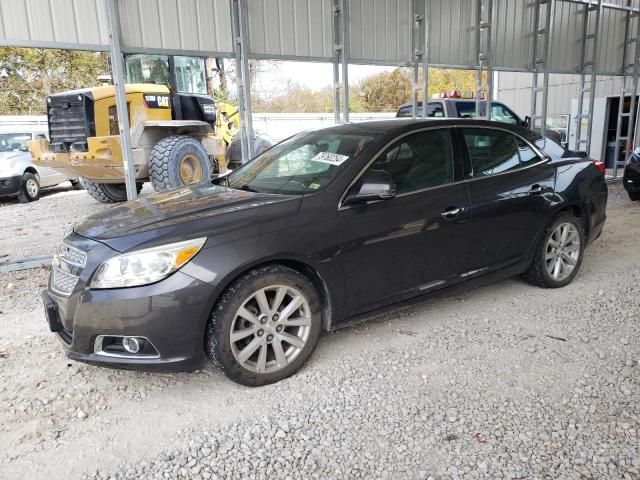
314, 186
330, 158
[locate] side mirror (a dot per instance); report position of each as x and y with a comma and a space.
527, 122
373, 186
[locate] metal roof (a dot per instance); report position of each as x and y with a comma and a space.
379, 30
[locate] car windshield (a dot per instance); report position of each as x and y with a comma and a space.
302, 164
14, 142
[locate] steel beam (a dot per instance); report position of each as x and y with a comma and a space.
243, 80
119, 79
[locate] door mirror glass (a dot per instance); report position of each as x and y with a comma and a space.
373, 186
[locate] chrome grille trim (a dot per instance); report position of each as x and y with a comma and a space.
67, 264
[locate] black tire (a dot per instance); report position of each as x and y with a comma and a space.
167, 156
261, 144
107, 192
538, 273
76, 185
218, 341
634, 196
233, 157
30, 188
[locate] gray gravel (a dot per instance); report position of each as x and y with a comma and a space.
505, 381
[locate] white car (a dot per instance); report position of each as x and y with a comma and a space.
18, 175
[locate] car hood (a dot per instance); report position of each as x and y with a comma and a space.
201, 209
9, 155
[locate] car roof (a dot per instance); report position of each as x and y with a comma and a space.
452, 100
400, 125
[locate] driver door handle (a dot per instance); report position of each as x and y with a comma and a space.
452, 212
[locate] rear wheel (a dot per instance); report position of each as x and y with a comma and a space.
107, 192
634, 196
176, 161
30, 189
265, 326
559, 253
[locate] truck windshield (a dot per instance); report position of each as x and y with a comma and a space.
190, 75
148, 69
14, 142
302, 164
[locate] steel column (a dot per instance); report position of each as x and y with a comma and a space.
119, 79
589, 60
541, 42
629, 60
420, 44
484, 37
243, 80
340, 34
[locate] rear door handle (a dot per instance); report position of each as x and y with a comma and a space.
536, 190
452, 212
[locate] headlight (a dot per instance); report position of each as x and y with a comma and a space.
146, 266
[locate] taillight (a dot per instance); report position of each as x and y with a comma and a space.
600, 166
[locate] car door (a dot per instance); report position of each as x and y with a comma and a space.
511, 185
415, 242
48, 176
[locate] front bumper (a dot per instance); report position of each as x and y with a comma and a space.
172, 314
10, 185
631, 178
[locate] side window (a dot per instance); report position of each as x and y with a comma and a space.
418, 161
404, 112
41, 136
435, 110
527, 155
500, 113
493, 151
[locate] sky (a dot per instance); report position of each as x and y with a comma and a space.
314, 75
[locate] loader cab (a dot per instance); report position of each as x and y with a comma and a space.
185, 77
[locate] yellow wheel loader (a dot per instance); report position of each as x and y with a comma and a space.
177, 133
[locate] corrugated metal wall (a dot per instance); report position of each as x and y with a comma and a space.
379, 30
79, 22
457, 45
196, 25
514, 89
290, 28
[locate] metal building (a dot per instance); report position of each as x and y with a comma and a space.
587, 38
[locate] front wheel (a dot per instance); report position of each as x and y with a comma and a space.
108, 192
634, 196
30, 189
559, 254
176, 161
265, 326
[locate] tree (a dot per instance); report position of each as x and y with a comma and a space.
29, 75
385, 91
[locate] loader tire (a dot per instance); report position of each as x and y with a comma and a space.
107, 192
176, 161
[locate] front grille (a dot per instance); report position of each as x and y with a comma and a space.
70, 120
67, 265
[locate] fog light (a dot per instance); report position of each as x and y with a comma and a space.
131, 344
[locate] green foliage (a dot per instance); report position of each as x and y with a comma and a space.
28, 75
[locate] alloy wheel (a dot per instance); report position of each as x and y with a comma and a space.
270, 329
562, 251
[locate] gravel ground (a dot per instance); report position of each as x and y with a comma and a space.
504, 381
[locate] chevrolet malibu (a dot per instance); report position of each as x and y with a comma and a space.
322, 230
